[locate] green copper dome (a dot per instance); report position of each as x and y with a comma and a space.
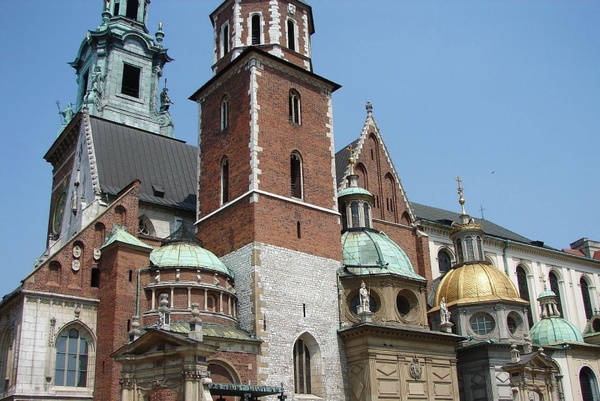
554, 330
353, 191
367, 252
183, 250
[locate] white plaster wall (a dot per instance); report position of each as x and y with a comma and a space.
35, 372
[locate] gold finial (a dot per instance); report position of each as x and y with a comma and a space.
461, 200
106, 4
350, 149
160, 25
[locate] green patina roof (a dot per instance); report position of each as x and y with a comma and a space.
353, 191
546, 293
214, 330
187, 255
119, 234
367, 252
554, 330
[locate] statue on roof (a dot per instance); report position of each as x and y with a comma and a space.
165, 101
67, 114
444, 312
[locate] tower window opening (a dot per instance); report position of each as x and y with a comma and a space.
132, 9
291, 34
224, 39
470, 251
294, 107
130, 84
479, 247
84, 88
459, 251
296, 175
117, 7
255, 29
556, 289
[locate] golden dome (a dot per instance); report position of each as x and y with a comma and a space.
476, 282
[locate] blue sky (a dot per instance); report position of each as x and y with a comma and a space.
504, 93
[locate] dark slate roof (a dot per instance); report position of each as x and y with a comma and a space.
162, 164
446, 217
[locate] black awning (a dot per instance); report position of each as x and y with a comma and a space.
240, 390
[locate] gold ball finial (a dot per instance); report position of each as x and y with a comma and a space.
461, 200
351, 160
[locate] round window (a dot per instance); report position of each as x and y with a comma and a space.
407, 304
482, 324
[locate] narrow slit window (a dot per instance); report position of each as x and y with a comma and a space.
224, 39
294, 107
224, 112
296, 175
224, 180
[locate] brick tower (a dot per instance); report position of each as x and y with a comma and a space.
267, 198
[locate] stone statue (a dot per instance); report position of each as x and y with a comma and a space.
444, 313
165, 101
365, 299
67, 114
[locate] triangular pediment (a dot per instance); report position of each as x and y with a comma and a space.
156, 340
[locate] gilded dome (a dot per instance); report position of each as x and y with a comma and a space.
367, 252
476, 282
554, 330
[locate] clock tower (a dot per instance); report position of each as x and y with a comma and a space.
267, 199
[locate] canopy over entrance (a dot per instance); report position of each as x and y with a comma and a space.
246, 392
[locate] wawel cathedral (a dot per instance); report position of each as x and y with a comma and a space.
261, 264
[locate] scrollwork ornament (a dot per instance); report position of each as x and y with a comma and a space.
127, 383
416, 369
194, 375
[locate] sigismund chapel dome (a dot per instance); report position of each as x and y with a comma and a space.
476, 282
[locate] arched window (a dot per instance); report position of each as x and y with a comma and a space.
7, 357
585, 295
224, 112
479, 248
296, 175
555, 288
224, 180
366, 211
524, 291
121, 215
470, 252
255, 29
54, 276
444, 261
291, 34
588, 384
363, 179
145, 226
99, 234
344, 214
224, 39
302, 368
211, 303
355, 217
459, 250
72, 352
295, 114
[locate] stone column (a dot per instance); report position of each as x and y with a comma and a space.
127, 388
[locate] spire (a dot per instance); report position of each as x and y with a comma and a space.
369, 108
467, 235
548, 303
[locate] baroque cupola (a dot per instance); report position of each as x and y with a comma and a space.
119, 65
552, 328
490, 305
281, 28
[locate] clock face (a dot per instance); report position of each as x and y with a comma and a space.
58, 214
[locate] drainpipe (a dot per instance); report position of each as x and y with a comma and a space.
504, 256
